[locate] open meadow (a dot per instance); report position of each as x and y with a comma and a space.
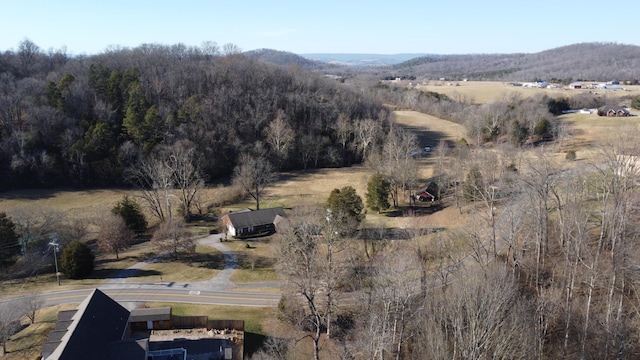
480, 92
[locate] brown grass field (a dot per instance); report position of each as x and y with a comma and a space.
480, 92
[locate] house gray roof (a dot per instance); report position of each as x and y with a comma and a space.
98, 321
152, 314
615, 108
129, 349
255, 218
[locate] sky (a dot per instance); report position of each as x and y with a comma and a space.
321, 26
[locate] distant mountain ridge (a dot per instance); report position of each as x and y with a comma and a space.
311, 61
362, 59
584, 61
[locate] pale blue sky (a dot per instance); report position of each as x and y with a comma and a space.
323, 26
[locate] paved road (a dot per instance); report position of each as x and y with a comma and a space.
152, 293
217, 290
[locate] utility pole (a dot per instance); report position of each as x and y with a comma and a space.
56, 247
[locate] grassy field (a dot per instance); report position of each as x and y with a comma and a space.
254, 317
480, 92
204, 264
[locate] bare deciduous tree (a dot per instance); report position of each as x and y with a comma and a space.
253, 175
344, 131
187, 176
114, 235
280, 136
299, 264
367, 132
480, 316
173, 237
35, 225
30, 307
398, 161
10, 313
154, 178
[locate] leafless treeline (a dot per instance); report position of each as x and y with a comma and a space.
82, 120
545, 266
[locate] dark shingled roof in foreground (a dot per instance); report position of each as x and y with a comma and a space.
100, 320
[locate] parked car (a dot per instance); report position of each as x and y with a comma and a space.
427, 149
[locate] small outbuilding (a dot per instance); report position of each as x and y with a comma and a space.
613, 110
150, 319
253, 223
425, 196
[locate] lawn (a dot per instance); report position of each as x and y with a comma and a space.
255, 260
26, 344
202, 265
254, 317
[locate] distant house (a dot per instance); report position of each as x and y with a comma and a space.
613, 110
425, 196
430, 193
252, 223
575, 86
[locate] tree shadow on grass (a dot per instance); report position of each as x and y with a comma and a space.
214, 261
248, 261
108, 260
111, 273
423, 208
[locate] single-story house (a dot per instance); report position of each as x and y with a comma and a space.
575, 86
249, 223
613, 110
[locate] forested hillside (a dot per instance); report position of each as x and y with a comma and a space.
587, 61
82, 120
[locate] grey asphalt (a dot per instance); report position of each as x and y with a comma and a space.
219, 290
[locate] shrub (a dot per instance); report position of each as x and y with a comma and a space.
378, 193
543, 127
557, 106
76, 261
571, 155
130, 211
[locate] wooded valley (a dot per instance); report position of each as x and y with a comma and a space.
514, 240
